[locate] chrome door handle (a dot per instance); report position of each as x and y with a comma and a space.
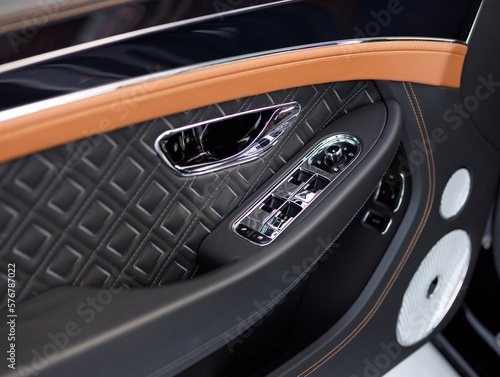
223, 142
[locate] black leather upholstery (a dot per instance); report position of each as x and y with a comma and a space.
105, 211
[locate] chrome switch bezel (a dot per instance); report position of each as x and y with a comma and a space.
259, 220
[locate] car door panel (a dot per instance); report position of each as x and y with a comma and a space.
197, 296
109, 212
371, 319
125, 266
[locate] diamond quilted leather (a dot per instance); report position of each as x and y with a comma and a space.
106, 211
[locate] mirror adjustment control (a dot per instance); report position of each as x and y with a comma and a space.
309, 178
333, 155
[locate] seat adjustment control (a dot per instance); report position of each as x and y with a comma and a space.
389, 193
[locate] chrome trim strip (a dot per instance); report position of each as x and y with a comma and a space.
471, 31
132, 34
273, 130
83, 94
402, 193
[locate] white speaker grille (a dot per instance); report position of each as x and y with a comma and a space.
434, 287
455, 193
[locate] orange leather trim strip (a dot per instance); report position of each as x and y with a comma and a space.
424, 62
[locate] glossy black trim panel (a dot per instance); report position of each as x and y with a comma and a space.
279, 27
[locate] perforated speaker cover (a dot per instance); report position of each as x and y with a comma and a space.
434, 287
455, 193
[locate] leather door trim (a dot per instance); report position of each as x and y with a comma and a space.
425, 62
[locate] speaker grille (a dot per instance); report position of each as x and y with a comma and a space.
455, 193
434, 287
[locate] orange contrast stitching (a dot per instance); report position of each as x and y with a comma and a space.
409, 250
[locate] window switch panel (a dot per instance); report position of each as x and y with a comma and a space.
280, 206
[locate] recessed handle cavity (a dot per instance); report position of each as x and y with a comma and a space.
224, 142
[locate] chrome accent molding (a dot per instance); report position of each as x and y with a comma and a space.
273, 130
88, 93
478, 14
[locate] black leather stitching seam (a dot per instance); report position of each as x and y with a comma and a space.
193, 223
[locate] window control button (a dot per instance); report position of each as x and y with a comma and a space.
306, 195
272, 203
244, 230
259, 238
376, 221
300, 177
